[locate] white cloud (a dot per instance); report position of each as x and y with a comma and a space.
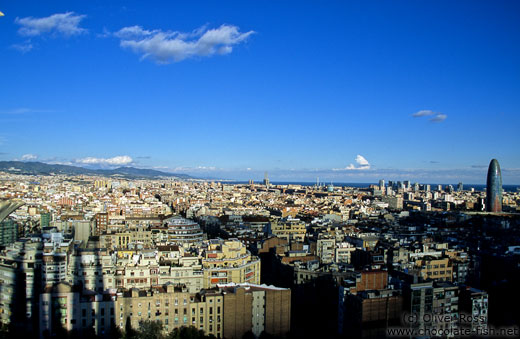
66, 24
118, 160
29, 157
168, 46
133, 32
439, 118
362, 162
23, 48
423, 113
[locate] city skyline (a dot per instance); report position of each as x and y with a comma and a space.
345, 92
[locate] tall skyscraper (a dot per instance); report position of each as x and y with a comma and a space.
494, 187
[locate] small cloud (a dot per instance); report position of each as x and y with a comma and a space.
145, 157
28, 157
433, 162
478, 166
25, 110
439, 118
23, 48
362, 162
118, 160
166, 46
66, 24
423, 113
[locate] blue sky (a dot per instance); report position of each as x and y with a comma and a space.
350, 91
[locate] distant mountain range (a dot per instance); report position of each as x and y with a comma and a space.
40, 168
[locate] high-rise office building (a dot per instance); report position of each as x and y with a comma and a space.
494, 187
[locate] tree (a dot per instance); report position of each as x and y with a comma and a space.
150, 330
188, 333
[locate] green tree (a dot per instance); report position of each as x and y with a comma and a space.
150, 330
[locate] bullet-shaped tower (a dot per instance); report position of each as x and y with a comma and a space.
494, 187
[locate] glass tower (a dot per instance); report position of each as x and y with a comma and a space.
494, 187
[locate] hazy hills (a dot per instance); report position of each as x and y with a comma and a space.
40, 168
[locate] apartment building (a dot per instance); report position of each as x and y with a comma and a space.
433, 268
226, 261
289, 229
225, 312
255, 308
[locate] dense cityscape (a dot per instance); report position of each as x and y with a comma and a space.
105, 256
